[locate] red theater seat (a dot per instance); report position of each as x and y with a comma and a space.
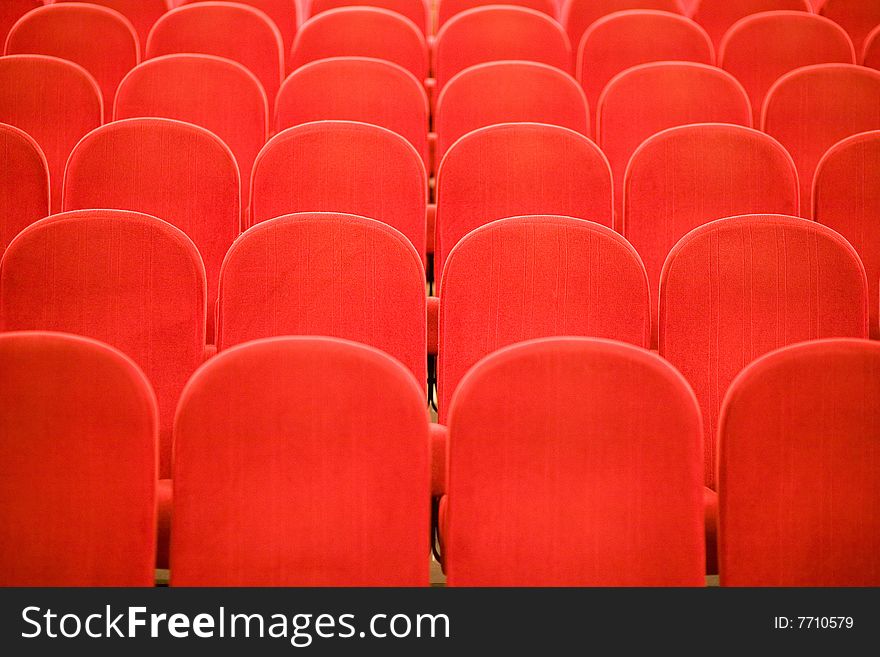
624, 39
516, 169
11, 11
326, 274
737, 288
446, 9
55, 101
760, 49
319, 471
342, 166
356, 89
143, 14
552, 494
284, 13
858, 17
176, 171
504, 92
578, 15
417, 11
24, 183
717, 16
78, 500
871, 55
846, 197
798, 468
812, 108
495, 33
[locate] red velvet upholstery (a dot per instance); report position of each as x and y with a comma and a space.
495, 33
356, 89
687, 176
342, 166
595, 480
639, 103
516, 169
319, 472
798, 468
215, 93
11, 11
532, 277
417, 11
143, 14
857, 17
176, 171
224, 29
578, 15
846, 197
737, 288
100, 40
77, 502
24, 183
871, 54
124, 278
447, 9
718, 16
55, 101
619, 41
760, 49
506, 91
284, 13
327, 274
812, 108
362, 32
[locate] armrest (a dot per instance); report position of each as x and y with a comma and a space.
430, 222
210, 351
438, 436
433, 325
432, 158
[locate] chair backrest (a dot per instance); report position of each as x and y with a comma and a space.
24, 183
548, 491
516, 169
78, 444
857, 17
577, 15
760, 49
687, 176
498, 32
142, 14
342, 166
127, 279
799, 429
362, 32
418, 11
717, 16
846, 197
330, 274
356, 89
284, 14
100, 40
737, 288
533, 277
54, 101
447, 9
217, 94
224, 29
175, 171
11, 11
319, 472
505, 92
645, 99
871, 53
814, 107
628, 38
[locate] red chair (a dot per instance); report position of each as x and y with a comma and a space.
54, 101
846, 197
100, 40
356, 89
857, 17
143, 14
505, 92
342, 166
760, 49
685, 177
284, 13
517, 169
224, 29
418, 11
625, 39
639, 103
215, 93
176, 171
319, 471
11, 11
78, 444
498, 32
362, 32
24, 183
717, 16
578, 15
532, 277
800, 483
814, 107
446, 9
871, 55
551, 494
